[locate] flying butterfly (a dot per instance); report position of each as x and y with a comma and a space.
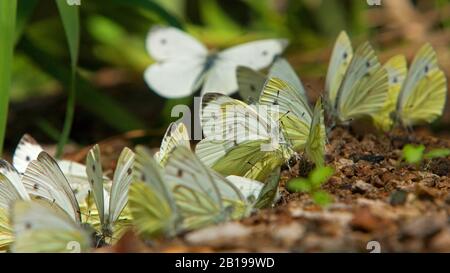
183, 64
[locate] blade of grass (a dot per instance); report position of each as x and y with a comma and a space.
110, 111
24, 11
70, 16
7, 38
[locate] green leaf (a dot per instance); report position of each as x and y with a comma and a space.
70, 16
7, 39
320, 175
413, 154
322, 198
436, 153
299, 185
24, 11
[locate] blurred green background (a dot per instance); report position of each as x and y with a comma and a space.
112, 96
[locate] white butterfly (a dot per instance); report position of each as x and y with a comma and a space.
28, 150
43, 227
184, 64
110, 206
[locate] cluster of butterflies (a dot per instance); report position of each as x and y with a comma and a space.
49, 205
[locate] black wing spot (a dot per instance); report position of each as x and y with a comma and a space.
28, 225
252, 88
427, 69
92, 181
395, 80
179, 173
36, 187
27, 158
265, 53
129, 171
368, 64
163, 41
93, 168
143, 177
345, 55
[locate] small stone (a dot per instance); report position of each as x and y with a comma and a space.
361, 187
398, 197
220, 235
289, 234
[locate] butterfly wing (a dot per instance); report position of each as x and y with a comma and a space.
40, 227
293, 108
249, 188
94, 172
176, 135
27, 150
364, 87
423, 95
256, 55
122, 179
396, 68
76, 175
315, 145
11, 186
340, 59
180, 62
152, 213
250, 83
44, 179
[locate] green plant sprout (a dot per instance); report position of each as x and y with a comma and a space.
415, 154
312, 185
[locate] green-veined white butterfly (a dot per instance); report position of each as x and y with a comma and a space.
423, 94
184, 64
191, 195
28, 149
110, 206
396, 68
356, 84
238, 140
303, 129
43, 227
176, 135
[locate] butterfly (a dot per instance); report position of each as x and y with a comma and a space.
423, 94
183, 64
110, 207
187, 195
176, 135
28, 149
42, 181
43, 227
11, 190
356, 84
240, 139
302, 127
396, 68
